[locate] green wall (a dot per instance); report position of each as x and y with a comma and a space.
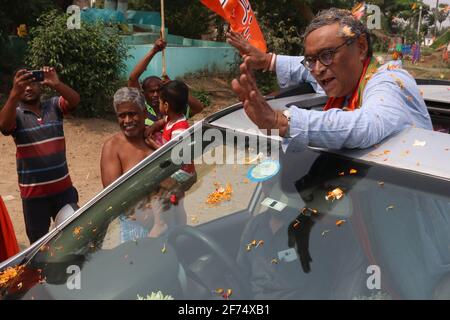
182, 60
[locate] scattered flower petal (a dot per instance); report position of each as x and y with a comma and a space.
10, 273
194, 219
335, 194
398, 81
77, 231
221, 194
390, 207
219, 291
228, 294
347, 31
405, 153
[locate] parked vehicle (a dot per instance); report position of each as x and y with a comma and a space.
316, 224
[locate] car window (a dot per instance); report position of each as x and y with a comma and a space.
339, 229
176, 194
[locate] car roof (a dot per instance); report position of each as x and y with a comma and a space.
436, 93
414, 149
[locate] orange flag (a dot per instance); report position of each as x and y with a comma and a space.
240, 16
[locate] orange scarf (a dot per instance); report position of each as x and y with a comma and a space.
355, 101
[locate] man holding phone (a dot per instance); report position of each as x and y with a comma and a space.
37, 129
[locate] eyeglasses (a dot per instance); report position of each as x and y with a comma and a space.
325, 57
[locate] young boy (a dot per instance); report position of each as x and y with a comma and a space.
172, 104
173, 100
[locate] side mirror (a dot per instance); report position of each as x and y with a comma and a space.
65, 213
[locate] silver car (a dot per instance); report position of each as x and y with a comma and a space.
255, 222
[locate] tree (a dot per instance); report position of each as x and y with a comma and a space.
90, 59
187, 18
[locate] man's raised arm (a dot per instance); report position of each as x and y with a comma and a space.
133, 80
22, 79
51, 80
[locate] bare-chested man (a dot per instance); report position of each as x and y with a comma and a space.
126, 148
122, 152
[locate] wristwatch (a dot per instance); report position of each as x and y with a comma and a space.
287, 114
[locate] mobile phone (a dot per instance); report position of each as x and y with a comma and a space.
38, 75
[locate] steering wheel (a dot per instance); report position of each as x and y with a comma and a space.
215, 248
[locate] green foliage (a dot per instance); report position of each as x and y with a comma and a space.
203, 97
187, 18
90, 60
14, 13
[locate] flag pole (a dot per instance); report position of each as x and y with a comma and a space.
163, 53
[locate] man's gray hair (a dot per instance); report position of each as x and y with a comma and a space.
350, 27
129, 94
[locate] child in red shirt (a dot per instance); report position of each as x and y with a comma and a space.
173, 101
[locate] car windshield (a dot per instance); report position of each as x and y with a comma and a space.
249, 221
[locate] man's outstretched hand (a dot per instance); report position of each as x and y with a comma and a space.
159, 45
258, 60
256, 107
